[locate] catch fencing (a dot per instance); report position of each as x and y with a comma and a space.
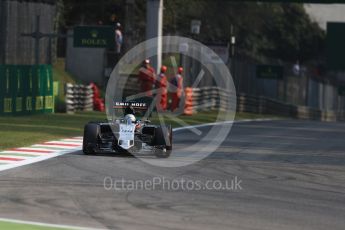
308, 87
18, 17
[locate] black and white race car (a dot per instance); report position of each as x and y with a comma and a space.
128, 134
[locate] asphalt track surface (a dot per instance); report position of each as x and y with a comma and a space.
292, 177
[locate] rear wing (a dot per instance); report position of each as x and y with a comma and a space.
134, 105
140, 105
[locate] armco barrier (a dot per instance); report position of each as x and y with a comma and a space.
263, 105
78, 98
26, 89
208, 98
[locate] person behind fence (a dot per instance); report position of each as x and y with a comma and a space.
176, 89
146, 78
161, 89
118, 38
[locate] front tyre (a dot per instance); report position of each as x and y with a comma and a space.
90, 139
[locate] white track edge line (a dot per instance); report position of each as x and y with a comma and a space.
220, 123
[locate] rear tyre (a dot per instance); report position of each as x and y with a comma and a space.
162, 153
163, 141
90, 140
170, 134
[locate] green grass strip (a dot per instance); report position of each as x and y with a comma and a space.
17, 226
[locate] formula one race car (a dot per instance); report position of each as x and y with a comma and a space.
128, 134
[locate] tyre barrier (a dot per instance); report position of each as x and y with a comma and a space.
78, 98
188, 106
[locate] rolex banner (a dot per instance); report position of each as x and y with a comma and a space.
94, 36
26, 89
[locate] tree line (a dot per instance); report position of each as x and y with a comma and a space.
280, 31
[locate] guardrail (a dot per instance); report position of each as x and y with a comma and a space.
208, 98
211, 98
263, 105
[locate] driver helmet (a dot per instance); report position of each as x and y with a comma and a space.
129, 110
130, 117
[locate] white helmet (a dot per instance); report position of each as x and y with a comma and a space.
130, 117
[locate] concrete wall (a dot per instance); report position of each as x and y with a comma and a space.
87, 64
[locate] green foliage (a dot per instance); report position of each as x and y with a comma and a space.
90, 12
293, 34
60, 75
263, 30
